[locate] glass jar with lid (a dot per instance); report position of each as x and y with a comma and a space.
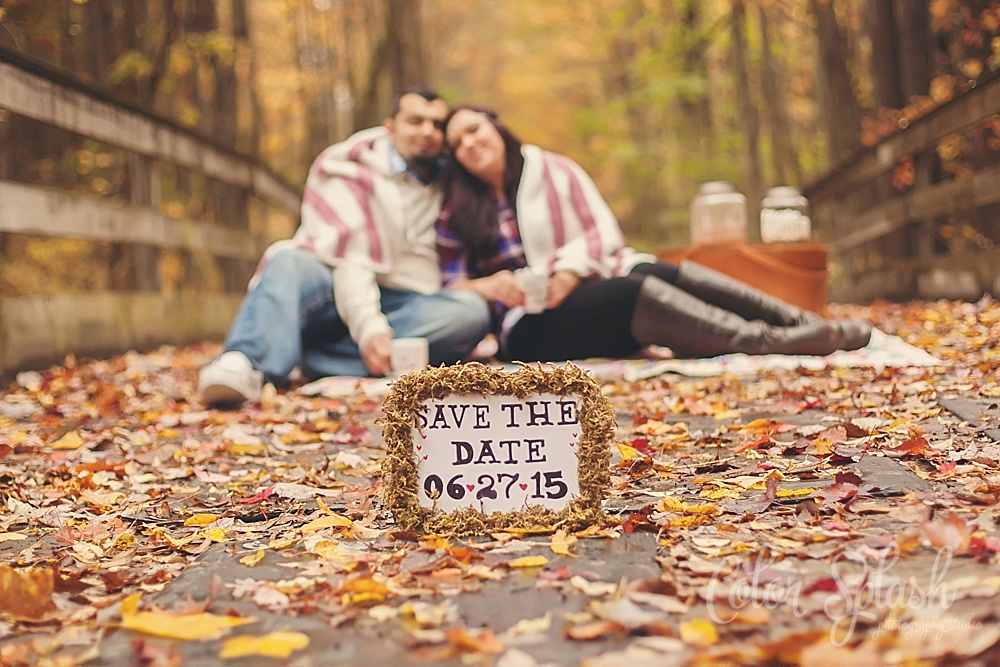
718, 214
784, 216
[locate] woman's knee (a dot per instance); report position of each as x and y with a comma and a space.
464, 305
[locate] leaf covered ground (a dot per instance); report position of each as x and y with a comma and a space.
795, 517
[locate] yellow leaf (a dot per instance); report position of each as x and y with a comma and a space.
334, 520
794, 493
689, 521
323, 506
528, 561
627, 452
282, 542
175, 542
216, 534
561, 543
200, 520
720, 493
363, 589
329, 550
669, 504
253, 559
363, 532
181, 626
531, 626
436, 542
130, 605
72, 440
272, 645
699, 632
247, 448
653, 427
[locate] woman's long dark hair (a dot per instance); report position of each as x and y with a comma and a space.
473, 208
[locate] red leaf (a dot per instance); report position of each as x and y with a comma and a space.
836, 493
266, 493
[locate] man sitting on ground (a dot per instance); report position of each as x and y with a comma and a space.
361, 268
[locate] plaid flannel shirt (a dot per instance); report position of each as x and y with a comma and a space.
454, 259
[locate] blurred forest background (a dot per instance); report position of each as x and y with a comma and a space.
652, 97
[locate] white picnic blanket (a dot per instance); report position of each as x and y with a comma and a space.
883, 351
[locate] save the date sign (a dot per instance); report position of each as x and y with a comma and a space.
472, 448
497, 453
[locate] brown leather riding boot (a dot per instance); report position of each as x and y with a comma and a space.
737, 297
668, 316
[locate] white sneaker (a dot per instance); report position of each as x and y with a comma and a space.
230, 379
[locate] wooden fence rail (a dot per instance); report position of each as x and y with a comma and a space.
931, 234
40, 326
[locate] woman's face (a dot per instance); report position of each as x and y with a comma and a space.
476, 144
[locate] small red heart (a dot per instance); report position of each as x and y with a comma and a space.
425, 457
425, 437
524, 487
574, 435
419, 447
470, 487
572, 444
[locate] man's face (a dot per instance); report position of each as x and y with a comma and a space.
417, 131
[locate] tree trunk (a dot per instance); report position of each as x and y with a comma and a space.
249, 135
913, 38
407, 62
885, 54
397, 61
840, 109
648, 198
748, 119
785, 161
698, 110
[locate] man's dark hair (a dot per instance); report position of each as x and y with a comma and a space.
423, 91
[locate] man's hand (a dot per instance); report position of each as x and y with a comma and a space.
561, 285
376, 354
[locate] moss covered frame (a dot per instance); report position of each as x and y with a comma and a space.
400, 468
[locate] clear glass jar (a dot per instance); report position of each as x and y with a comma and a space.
718, 214
784, 216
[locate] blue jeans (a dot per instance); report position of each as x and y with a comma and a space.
290, 319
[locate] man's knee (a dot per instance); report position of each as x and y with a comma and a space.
292, 264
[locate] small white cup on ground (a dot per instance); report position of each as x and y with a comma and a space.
535, 284
408, 354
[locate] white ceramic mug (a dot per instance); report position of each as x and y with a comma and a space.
535, 284
408, 354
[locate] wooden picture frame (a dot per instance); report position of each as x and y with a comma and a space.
405, 416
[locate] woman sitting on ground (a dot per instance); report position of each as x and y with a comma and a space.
509, 206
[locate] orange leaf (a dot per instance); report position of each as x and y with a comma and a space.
914, 446
593, 630
26, 593
483, 642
